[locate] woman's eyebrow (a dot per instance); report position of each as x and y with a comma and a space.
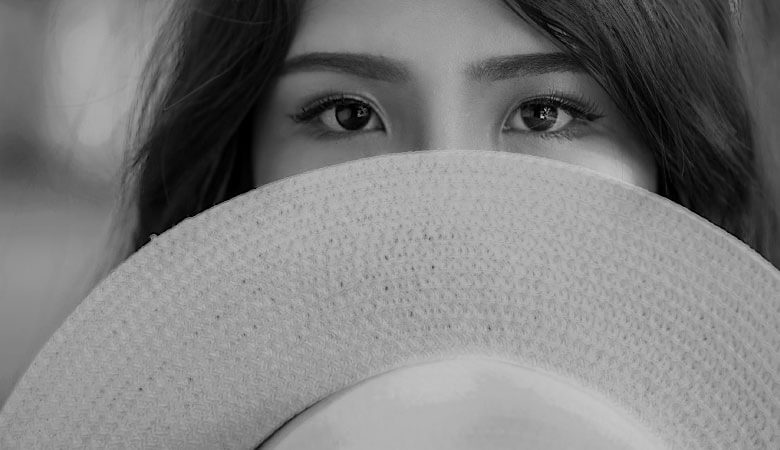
527, 65
381, 68
363, 65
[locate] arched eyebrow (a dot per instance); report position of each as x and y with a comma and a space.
381, 68
528, 65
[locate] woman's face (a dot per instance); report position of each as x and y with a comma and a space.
436, 74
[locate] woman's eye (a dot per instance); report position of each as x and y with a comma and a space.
552, 116
340, 115
351, 116
540, 117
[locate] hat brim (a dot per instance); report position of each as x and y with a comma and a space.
220, 330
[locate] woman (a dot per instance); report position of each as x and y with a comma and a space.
243, 93
648, 92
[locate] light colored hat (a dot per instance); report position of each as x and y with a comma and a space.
229, 324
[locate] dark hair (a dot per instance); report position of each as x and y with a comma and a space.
671, 66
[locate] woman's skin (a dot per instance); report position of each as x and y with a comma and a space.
436, 102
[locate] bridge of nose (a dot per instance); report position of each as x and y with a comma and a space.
452, 117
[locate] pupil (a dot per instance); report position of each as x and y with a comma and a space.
539, 117
353, 116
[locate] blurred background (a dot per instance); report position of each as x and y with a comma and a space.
68, 70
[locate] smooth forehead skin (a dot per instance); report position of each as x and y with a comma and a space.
441, 29
459, 404
440, 107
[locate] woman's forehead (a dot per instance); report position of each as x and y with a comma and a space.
430, 33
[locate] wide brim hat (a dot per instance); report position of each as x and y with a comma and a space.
218, 331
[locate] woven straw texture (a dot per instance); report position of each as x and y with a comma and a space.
221, 329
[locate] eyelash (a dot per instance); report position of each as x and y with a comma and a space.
309, 113
578, 106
